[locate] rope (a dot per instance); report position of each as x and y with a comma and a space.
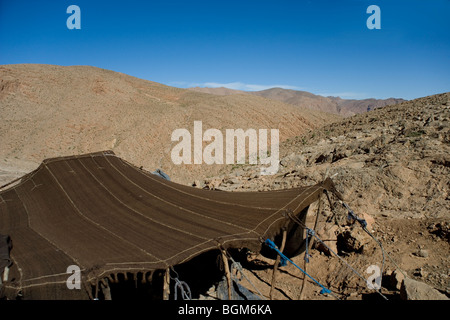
283, 261
238, 266
363, 224
352, 216
182, 286
340, 258
273, 246
347, 264
311, 233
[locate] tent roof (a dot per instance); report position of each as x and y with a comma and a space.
103, 214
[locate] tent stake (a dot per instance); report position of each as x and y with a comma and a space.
166, 285
277, 262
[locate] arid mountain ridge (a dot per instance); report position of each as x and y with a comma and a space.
304, 99
51, 111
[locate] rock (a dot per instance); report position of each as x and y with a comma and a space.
341, 153
416, 290
442, 230
254, 175
233, 181
198, 184
369, 219
396, 279
329, 239
422, 253
293, 160
352, 240
213, 183
420, 272
324, 157
238, 173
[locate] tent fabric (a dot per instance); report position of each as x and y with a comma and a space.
106, 216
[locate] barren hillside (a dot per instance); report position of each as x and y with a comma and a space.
48, 111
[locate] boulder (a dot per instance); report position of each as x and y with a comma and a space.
422, 253
416, 290
396, 279
352, 240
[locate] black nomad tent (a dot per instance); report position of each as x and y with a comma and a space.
107, 217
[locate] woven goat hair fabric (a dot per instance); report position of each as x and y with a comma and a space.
106, 216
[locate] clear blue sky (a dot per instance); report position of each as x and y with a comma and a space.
319, 46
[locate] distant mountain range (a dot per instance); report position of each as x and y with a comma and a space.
304, 99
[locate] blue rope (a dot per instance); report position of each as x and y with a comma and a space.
273, 246
352, 216
283, 262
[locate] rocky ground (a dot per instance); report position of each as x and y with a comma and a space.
392, 166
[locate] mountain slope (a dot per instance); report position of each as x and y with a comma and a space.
304, 99
392, 166
300, 98
394, 160
49, 111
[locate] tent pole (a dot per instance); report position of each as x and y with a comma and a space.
310, 243
277, 262
227, 272
106, 290
332, 209
166, 285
